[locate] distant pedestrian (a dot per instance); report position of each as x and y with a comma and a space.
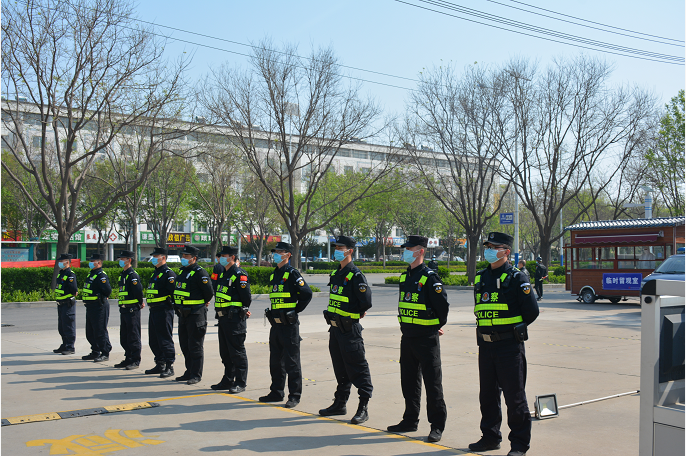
541, 275
522, 267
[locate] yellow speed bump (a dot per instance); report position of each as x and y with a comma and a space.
128, 407
34, 418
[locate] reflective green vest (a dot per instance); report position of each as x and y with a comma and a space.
339, 297
222, 297
180, 295
152, 295
490, 307
412, 303
87, 291
59, 292
280, 294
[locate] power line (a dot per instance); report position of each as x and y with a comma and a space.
592, 22
624, 52
544, 31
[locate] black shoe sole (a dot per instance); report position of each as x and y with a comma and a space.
332, 413
413, 429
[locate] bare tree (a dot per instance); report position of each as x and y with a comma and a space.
88, 71
571, 132
216, 197
165, 197
256, 218
290, 116
451, 133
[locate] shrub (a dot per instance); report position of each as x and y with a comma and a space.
559, 271
443, 272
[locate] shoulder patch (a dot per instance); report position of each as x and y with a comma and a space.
363, 287
526, 288
300, 282
171, 279
438, 287
205, 279
103, 279
134, 281
71, 279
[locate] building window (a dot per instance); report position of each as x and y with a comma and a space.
37, 141
360, 154
179, 226
347, 169
365, 170
399, 232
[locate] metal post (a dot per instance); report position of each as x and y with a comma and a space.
240, 238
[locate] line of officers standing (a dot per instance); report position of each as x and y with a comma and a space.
504, 307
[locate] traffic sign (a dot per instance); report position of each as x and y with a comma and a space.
506, 218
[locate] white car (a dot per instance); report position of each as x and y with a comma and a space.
173, 259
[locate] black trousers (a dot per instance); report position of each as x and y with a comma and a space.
349, 362
504, 368
160, 329
539, 288
130, 332
284, 359
97, 317
232, 352
420, 357
66, 324
192, 329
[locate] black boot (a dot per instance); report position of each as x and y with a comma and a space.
168, 371
337, 408
361, 415
158, 369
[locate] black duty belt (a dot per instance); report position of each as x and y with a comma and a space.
495, 336
130, 306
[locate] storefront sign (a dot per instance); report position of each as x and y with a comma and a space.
51, 236
179, 237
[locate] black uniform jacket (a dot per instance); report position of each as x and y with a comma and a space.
517, 294
295, 282
163, 280
361, 297
66, 281
197, 285
130, 283
234, 282
435, 298
99, 284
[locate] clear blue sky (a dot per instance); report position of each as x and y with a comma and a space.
392, 37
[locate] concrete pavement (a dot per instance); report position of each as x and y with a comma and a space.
580, 352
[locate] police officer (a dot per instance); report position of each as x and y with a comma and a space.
289, 295
231, 302
433, 264
65, 295
541, 274
504, 307
95, 292
130, 305
422, 311
216, 270
160, 299
349, 299
192, 295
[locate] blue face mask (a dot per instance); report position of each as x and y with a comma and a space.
61, 265
223, 261
154, 261
122, 263
277, 258
339, 255
491, 255
184, 262
408, 256
91, 265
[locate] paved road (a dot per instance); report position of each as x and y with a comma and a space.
577, 351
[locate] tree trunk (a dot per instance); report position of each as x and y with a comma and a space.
295, 242
473, 241
134, 243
